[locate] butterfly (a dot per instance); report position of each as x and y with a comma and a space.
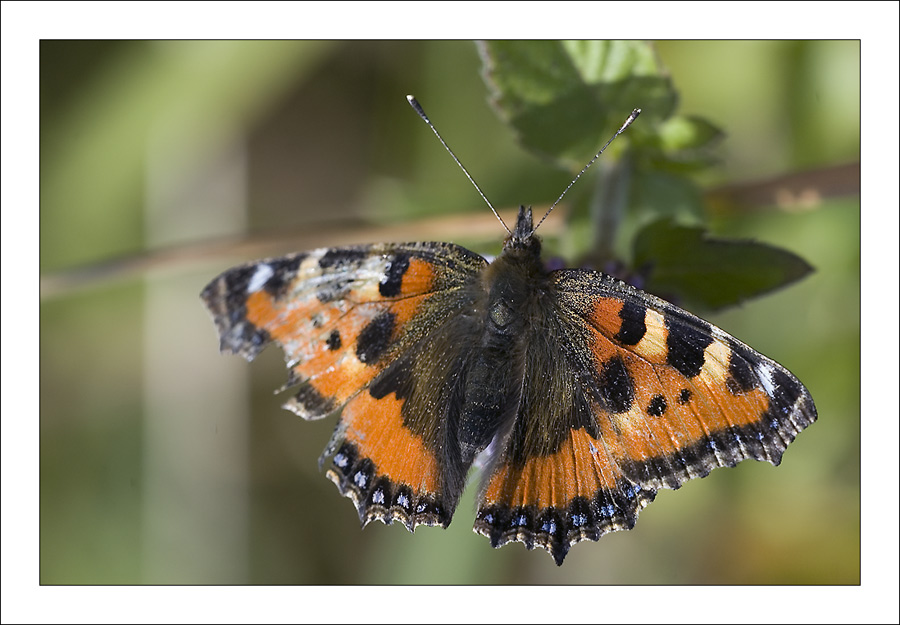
579, 395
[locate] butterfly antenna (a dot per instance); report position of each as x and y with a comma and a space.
418, 109
627, 123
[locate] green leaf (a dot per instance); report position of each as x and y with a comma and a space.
687, 133
685, 262
564, 99
665, 194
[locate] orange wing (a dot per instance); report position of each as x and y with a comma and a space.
347, 320
650, 397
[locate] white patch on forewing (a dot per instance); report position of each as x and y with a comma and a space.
362, 276
652, 345
260, 277
715, 363
368, 276
310, 264
764, 371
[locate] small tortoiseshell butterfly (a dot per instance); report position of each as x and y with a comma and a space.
585, 395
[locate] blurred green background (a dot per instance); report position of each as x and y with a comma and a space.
164, 462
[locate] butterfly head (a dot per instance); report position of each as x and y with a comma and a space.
522, 236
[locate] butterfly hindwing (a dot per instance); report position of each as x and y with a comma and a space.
553, 481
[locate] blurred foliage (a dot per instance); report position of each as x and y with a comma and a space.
327, 139
565, 98
562, 98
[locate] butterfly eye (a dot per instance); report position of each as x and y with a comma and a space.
501, 315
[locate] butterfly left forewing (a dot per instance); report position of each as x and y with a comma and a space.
682, 396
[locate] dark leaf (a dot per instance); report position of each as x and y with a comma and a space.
683, 262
